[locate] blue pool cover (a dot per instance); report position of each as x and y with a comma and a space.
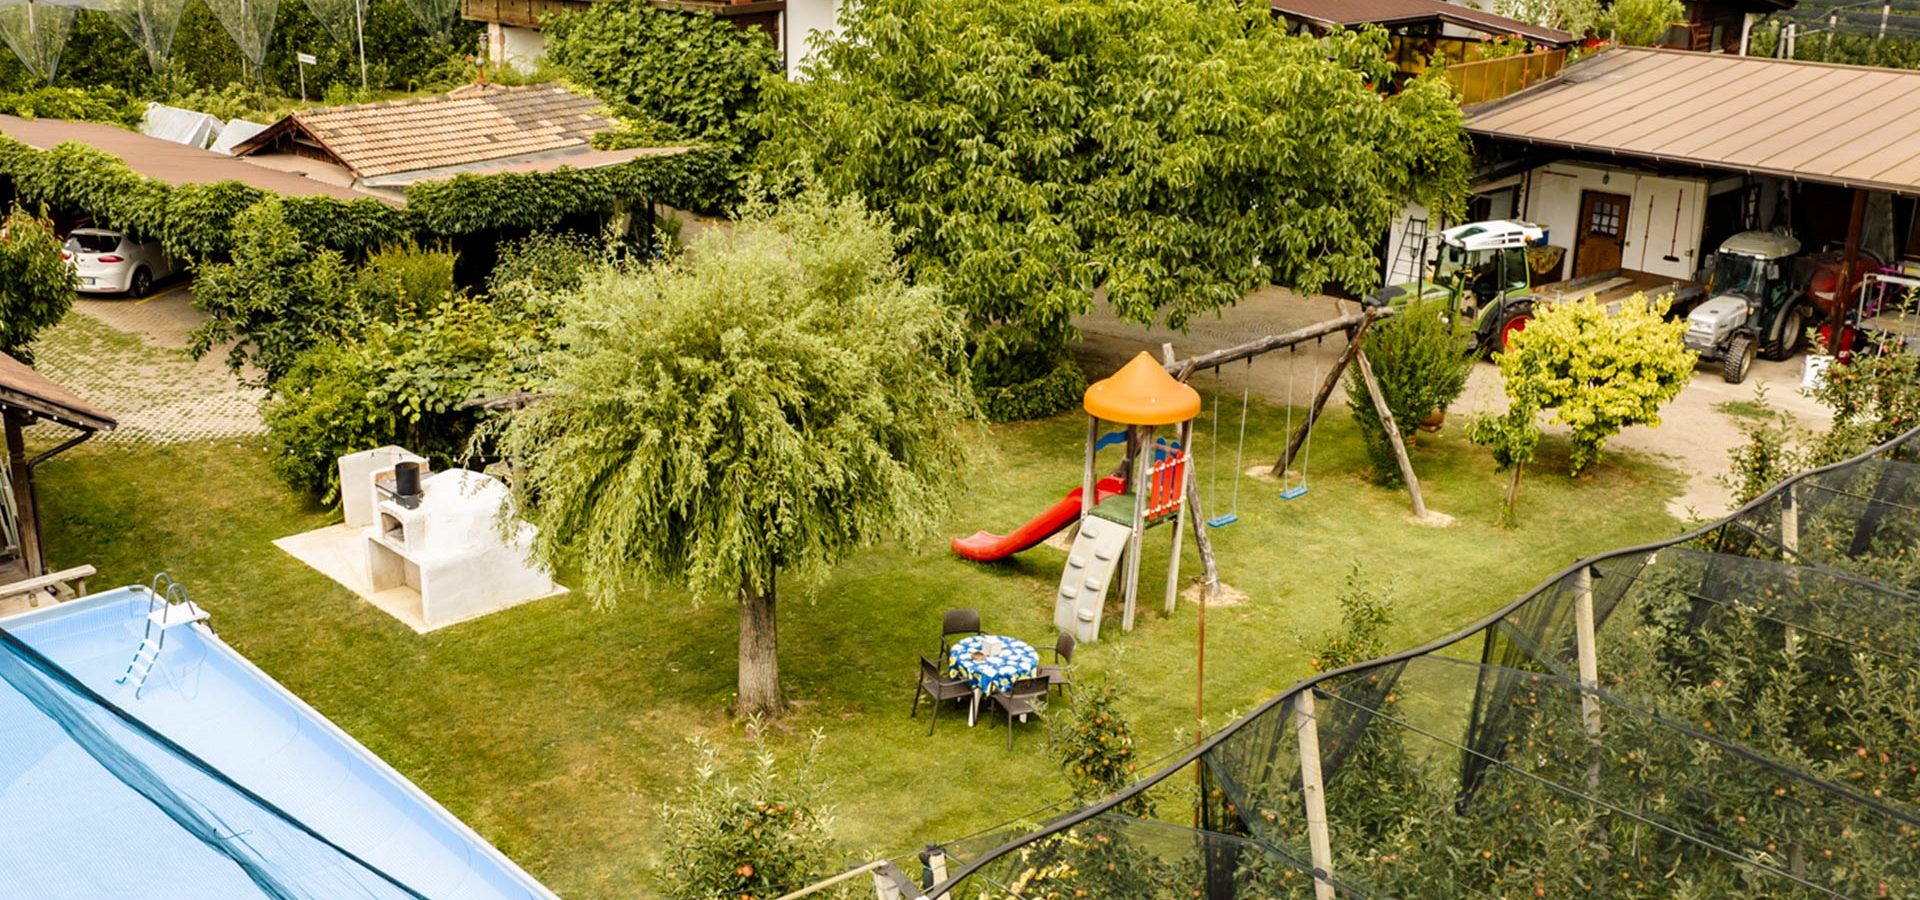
216, 782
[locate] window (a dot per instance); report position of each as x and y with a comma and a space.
1603, 218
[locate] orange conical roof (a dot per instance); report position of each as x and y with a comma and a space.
1142, 393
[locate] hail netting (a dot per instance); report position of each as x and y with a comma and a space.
438, 16
1751, 728
36, 31
150, 23
249, 23
341, 18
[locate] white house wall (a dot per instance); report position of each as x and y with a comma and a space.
802, 20
1664, 216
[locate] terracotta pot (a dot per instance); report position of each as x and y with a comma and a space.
1433, 421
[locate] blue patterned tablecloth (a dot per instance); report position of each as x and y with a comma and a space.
1006, 661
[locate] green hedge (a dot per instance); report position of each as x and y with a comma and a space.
195, 221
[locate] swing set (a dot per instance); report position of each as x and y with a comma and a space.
1289, 490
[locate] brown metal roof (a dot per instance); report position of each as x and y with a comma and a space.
475, 124
166, 161
1408, 12
24, 389
1851, 126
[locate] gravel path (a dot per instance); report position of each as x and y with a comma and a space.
129, 359
1695, 436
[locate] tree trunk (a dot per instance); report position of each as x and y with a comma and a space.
759, 692
1513, 498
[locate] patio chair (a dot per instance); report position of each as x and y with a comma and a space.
958, 621
939, 687
1056, 674
1027, 697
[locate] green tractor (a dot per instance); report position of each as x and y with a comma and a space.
1481, 277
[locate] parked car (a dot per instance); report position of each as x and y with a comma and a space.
109, 262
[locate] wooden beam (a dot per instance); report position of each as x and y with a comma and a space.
1393, 433
1272, 342
1320, 396
1849, 263
22, 477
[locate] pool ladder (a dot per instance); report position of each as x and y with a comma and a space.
163, 615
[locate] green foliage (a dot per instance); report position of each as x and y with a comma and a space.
100, 103
1007, 395
1575, 17
1873, 400
1643, 23
1599, 373
276, 298
536, 272
350, 227
1769, 453
468, 204
36, 285
1512, 436
1173, 154
1417, 360
1096, 746
402, 280
754, 837
693, 74
402, 382
770, 402
1365, 617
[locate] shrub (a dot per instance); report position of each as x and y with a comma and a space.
1599, 373
535, 271
36, 285
1364, 620
1016, 392
97, 103
757, 836
277, 297
1096, 746
1417, 360
403, 382
403, 280
1643, 23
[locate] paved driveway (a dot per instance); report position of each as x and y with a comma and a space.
1695, 436
128, 357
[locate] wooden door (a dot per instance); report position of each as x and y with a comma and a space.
1603, 232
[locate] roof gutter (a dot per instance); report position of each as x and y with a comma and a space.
1911, 190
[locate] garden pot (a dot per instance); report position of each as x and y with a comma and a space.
1433, 421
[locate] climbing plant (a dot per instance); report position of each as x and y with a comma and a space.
36, 285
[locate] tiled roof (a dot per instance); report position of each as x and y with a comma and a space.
472, 125
23, 388
165, 161
1851, 126
1403, 12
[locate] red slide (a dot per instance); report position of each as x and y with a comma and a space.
985, 546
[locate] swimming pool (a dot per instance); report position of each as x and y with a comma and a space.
94, 805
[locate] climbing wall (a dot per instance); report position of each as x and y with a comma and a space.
1091, 566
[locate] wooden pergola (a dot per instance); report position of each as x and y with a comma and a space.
26, 397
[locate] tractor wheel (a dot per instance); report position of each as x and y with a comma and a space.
1515, 322
1792, 327
1739, 358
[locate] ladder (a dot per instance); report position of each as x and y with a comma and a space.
163, 615
1413, 246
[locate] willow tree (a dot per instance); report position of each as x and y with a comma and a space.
773, 400
1173, 154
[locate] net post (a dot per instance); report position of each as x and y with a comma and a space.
1313, 791
1589, 659
1790, 520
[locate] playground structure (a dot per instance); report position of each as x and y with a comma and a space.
1113, 515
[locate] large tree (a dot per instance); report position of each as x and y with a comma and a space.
770, 402
1173, 153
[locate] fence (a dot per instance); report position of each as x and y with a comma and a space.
1484, 80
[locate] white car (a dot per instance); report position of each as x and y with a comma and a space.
109, 262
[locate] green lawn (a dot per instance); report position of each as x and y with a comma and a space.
555, 728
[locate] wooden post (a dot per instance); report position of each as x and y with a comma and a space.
1313, 790
1180, 515
1589, 662
1087, 479
1790, 523
1849, 263
1393, 433
22, 478
1209, 569
1140, 438
1320, 396
933, 865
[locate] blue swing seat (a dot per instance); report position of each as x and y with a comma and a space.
1294, 493
1223, 520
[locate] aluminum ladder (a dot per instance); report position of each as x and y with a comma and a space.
168, 607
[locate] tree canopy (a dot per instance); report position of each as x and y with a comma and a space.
36, 285
770, 402
1174, 154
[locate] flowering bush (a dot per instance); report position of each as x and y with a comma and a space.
755, 837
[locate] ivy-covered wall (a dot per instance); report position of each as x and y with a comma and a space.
195, 221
